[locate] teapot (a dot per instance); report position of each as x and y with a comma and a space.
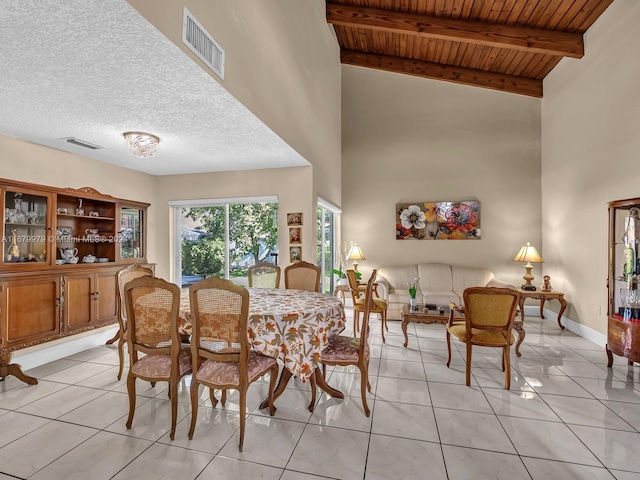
68, 253
88, 259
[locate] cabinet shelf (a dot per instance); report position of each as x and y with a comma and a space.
631, 280
22, 225
89, 217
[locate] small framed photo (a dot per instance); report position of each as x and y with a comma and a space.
294, 219
295, 235
63, 232
295, 254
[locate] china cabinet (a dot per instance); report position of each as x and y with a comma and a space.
623, 311
62, 250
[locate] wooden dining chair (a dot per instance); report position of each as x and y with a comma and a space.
344, 351
152, 313
489, 313
264, 275
302, 276
124, 276
358, 296
220, 351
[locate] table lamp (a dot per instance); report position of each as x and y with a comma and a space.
528, 254
355, 254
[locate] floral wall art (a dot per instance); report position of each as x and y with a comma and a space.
438, 221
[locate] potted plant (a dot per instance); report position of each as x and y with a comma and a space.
341, 274
413, 289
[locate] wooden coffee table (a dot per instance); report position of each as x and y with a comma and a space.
420, 315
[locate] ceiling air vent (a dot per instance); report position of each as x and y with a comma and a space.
82, 143
202, 44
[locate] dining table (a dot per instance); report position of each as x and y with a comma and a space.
291, 325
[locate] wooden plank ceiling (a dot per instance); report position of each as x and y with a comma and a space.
507, 45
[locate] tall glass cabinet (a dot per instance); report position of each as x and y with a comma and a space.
623, 312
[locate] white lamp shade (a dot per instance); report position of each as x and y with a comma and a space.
356, 253
528, 253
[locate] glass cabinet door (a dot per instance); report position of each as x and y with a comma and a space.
25, 227
131, 231
625, 262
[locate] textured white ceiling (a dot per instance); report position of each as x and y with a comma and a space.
94, 69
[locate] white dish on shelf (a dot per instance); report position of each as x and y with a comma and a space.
60, 262
103, 259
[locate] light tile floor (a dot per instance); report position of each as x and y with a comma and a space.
566, 417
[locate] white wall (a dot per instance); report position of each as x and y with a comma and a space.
407, 139
282, 63
590, 145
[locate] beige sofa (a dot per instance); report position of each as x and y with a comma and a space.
438, 284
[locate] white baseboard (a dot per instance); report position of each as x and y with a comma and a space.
571, 325
48, 352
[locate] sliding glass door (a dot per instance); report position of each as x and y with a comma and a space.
223, 239
327, 242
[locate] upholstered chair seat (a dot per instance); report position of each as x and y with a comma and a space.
377, 302
159, 366
225, 373
481, 337
344, 349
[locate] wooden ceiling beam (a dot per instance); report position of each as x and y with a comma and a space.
503, 36
466, 76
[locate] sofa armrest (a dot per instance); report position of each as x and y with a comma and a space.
494, 282
383, 287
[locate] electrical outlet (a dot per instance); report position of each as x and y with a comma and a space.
598, 310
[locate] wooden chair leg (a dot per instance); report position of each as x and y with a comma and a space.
468, 364
356, 322
131, 390
448, 348
223, 398
382, 320
364, 381
121, 342
312, 381
272, 385
194, 406
173, 388
243, 414
507, 370
212, 397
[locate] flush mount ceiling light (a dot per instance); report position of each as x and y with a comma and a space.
142, 145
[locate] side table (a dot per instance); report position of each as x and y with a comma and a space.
341, 290
543, 296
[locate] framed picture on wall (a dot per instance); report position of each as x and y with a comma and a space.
295, 254
295, 235
294, 219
